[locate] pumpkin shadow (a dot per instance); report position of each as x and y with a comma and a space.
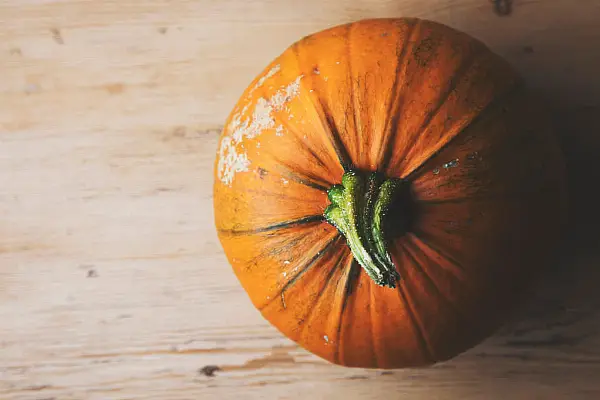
564, 312
561, 66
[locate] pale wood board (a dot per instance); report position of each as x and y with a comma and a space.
112, 281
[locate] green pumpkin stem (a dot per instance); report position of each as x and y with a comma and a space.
358, 210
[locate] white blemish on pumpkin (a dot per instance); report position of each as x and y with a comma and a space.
258, 144
311, 90
337, 62
285, 181
305, 137
231, 159
244, 110
326, 79
284, 274
451, 164
269, 74
326, 338
283, 300
279, 130
286, 262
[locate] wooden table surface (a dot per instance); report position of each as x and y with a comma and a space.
112, 281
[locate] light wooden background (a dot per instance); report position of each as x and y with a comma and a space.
112, 282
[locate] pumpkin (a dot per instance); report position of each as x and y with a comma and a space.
387, 191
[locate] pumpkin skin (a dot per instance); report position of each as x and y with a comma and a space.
412, 99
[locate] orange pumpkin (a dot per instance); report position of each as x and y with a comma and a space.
386, 191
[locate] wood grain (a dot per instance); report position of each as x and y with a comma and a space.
112, 281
